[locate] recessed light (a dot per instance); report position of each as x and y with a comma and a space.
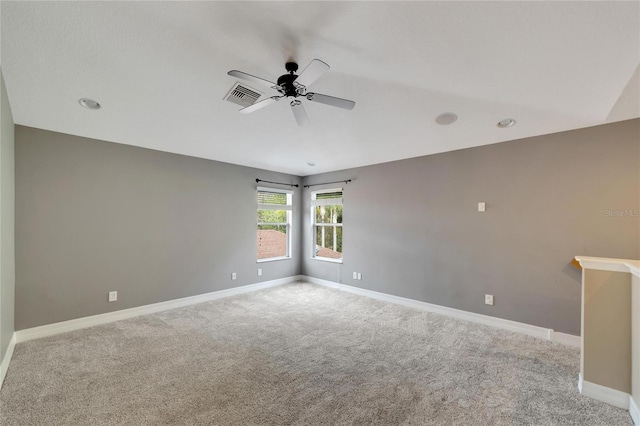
89, 103
311, 163
446, 118
507, 122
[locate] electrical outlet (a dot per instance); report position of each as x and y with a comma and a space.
355, 275
359, 275
113, 296
488, 299
259, 272
233, 276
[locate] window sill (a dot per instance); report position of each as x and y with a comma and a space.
273, 259
327, 259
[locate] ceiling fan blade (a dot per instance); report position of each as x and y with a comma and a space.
251, 78
260, 105
331, 100
299, 112
311, 73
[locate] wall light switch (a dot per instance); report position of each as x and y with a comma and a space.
481, 207
113, 296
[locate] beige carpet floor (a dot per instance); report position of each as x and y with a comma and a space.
296, 355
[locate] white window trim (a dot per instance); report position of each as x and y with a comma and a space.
315, 203
288, 224
272, 259
325, 259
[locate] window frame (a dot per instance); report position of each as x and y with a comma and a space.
288, 225
314, 224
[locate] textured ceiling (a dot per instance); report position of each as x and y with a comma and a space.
159, 71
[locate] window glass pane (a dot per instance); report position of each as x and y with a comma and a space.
272, 241
329, 242
272, 198
329, 214
272, 216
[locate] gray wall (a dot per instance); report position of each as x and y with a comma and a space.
7, 204
412, 228
93, 216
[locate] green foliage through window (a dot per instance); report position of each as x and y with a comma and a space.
329, 214
272, 216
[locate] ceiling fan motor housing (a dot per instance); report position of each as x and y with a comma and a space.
291, 67
286, 81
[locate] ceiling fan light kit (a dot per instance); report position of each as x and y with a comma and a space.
294, 86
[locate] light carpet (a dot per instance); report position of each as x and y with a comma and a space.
296, 355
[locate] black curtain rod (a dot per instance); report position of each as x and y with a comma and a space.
278, 183
328, 183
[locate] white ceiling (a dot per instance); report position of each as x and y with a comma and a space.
159, 71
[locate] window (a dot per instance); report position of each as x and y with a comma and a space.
274, 224
326, 217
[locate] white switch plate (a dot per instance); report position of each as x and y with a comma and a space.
259, 272
359, 275
488, 299
113, 296
481, 207
355, 275
233, 276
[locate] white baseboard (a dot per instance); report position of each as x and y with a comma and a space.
324, 283
568, 339
518, 327
4, 365
634, 412
76, 324
602, 393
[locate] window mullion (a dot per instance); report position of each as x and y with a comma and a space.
274, 207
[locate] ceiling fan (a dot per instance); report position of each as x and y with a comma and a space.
293, 86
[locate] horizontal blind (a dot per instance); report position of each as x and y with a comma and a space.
274, 199
327, 197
